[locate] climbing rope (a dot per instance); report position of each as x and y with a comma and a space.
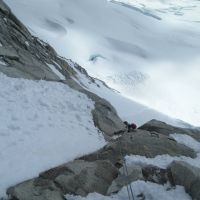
125, 171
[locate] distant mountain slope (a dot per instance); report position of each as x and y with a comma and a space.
160, 39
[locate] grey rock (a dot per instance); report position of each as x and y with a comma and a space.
134, 174
87, 177
106, 118
166, 129
9, 53
30, 190
77, 177
141, 143
187, 176
157, 175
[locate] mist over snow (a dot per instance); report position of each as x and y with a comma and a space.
159, 40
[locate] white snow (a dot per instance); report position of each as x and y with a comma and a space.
1, 44
3, 63
55, 71
128, 39
162, 161
127, 109
57, 65
43, 124
5, 19
150, 190
27, 43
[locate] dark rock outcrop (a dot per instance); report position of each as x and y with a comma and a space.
166, 129
157, 175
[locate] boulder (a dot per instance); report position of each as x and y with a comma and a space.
188, 176
166, 129
77, 177
82, 177
106, 119
134, 174
141, 143
36, 189
157, 175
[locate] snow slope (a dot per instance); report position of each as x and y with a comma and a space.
112, 39
47, 124
127, 109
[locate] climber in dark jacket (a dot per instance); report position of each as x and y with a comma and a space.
130, 127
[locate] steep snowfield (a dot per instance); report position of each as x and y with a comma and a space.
127, 109
43, 125
112, 39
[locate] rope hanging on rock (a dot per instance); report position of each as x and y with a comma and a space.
125, 171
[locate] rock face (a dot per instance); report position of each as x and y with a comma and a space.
78, 177
140, 143
36, 189
166, 129
25, 56
187, 176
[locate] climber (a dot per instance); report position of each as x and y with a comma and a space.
130, 127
